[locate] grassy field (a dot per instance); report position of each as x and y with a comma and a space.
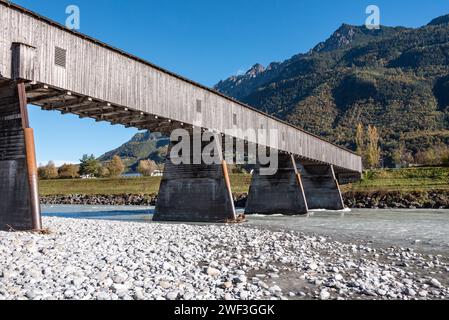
144, 185
413, 179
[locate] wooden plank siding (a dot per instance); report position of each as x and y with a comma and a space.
96, 70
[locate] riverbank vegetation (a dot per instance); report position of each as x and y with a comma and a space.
410, 179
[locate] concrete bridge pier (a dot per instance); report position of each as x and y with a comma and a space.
281, 193
19, 198
321, 186
195, 192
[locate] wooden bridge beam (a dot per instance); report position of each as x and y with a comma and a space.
76, 105
46, 98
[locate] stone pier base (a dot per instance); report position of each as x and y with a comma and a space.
19, 201
281, 193
195, 193
321, 187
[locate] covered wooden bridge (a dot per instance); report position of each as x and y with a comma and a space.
44, 64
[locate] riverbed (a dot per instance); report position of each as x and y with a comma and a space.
101, 252
424, 230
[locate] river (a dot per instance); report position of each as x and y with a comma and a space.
424, 230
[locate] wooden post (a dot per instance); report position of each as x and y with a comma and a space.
30, 151
228, 186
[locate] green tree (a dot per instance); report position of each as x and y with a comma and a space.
115, 167
68, 171
373, 150
89, 166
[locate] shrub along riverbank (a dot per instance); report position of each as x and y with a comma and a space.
404, 188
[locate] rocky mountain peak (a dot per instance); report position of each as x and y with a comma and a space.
439, 21
342, 37
255, 70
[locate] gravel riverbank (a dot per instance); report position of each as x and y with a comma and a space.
86, 259
367, 200
434, 199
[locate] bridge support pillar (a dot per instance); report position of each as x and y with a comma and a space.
195, 192
281, 193
321, 187
19, 198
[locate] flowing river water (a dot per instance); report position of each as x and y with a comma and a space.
424, 230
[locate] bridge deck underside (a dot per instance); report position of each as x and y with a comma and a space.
52, 99
65, 102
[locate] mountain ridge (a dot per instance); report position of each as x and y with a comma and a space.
439, 20
395, 78
142, 146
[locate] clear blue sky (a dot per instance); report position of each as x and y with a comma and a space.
204, 40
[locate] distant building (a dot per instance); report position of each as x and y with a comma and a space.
87, 176
157, 173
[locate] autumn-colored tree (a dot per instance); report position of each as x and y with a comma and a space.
48, 172
115, 167
437, 155
68, 171
360, 139
373, 149
103, 172
147, 167
443, 154
427, 157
